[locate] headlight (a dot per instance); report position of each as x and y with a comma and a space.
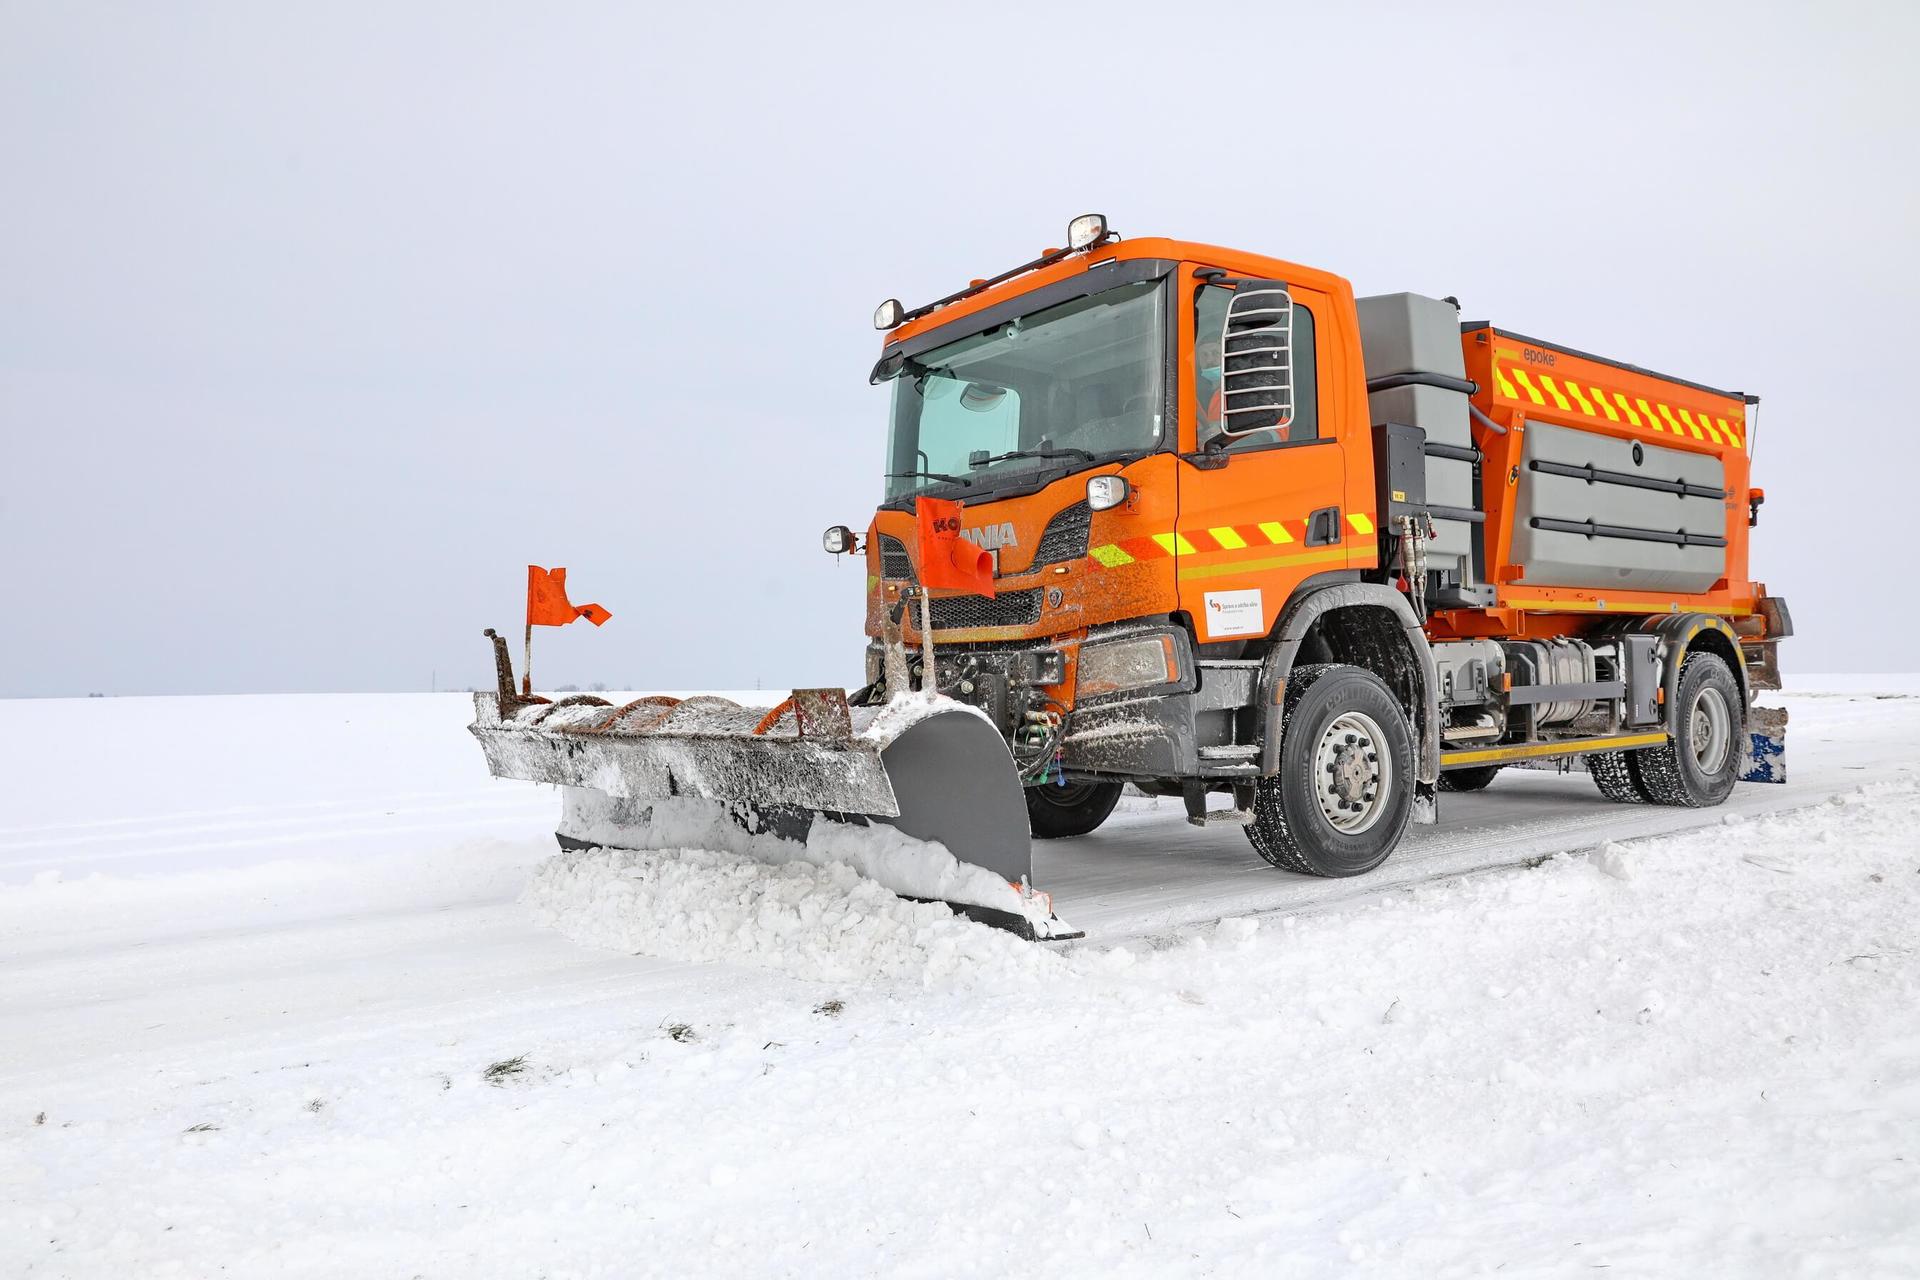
840, 540
1105, 492
889, 314
1086, 230
1136, 663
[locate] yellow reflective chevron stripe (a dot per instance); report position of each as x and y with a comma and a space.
1213, 552
1226, 537
1706, 425
1517, 383
1532, 391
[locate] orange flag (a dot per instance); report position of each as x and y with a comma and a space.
947, 559
547, 604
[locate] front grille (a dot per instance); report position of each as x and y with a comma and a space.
1065, 537
1008, 609
893, 560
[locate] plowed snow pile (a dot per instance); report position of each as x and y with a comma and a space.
826, 923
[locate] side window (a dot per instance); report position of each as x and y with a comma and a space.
1209, 314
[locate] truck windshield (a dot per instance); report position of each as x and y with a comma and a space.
1076, 381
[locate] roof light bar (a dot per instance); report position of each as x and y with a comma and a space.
1087, 231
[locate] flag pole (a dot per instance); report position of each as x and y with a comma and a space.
929, 678
526, 668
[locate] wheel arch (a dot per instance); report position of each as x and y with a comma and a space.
1369, 626
1689, 633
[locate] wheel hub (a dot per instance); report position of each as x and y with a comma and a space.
1710, 735
1352, 773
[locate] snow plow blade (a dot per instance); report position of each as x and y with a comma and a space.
811, 773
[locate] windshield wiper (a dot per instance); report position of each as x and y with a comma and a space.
1034, 453
930, 475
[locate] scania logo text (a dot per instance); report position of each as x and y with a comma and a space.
992, 537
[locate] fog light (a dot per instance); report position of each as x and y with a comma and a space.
1128, 664
840, 540
1049, 666
1104, 492
1086, 230
889, 314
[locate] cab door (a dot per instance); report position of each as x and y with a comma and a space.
1260, 513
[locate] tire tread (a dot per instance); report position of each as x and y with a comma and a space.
1613, 773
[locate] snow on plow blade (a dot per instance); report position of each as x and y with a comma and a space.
812, 773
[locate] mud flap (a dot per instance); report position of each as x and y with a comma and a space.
1426, 803
1765, 759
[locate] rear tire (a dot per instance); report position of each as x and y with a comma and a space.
1474, 779
1344, 791
1054, 813
1613, 772
1697, 767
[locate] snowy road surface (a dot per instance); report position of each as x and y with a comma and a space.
258, 955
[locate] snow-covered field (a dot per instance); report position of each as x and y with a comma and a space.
288, 986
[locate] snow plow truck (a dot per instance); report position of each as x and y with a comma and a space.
1300, 559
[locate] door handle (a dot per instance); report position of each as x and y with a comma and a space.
1323, 527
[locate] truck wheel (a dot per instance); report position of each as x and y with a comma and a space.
1474, 779
1056, 812
1344, 791
1698, 766
1614, 773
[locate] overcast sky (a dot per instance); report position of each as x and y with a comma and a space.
319, 322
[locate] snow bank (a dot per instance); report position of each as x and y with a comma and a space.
815, 920
1696, 1055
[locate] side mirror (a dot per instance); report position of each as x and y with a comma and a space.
1256, 347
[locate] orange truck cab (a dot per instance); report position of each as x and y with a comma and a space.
1325, 556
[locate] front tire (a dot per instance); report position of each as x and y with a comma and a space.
1697, 767
1344, 791
1055, 813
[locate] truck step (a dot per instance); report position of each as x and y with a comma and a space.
1231, 751
1223, 818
